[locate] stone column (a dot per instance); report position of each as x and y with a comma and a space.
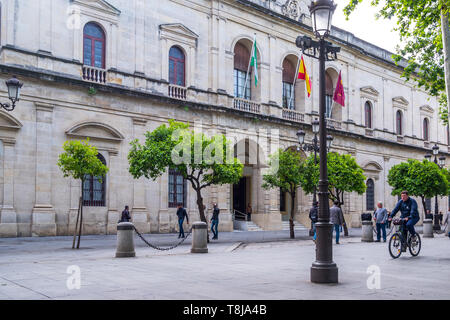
113, 210
8, 216
45, 25
139, 36
43, 217
139, 211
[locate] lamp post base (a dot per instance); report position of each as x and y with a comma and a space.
324, 273
436, 226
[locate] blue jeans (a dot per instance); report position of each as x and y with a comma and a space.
314, 229
214, 227
180, 225
381, 227
337, 228
410, 225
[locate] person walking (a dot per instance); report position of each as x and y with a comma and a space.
125, 217
314, 216
181, 213
380, 218
336, 218
248, 211
215, 222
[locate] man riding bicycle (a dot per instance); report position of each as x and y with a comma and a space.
409, 212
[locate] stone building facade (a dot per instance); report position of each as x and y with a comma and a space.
112, 70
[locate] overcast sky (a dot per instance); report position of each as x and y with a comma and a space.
364, 25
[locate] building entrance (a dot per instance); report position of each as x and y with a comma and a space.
240, 196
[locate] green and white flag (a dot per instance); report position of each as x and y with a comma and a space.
254, 62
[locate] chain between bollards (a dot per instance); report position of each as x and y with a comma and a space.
160, 248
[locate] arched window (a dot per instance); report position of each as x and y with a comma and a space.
94, 190
398, 121
94, 46
370, 195
288, 87
177, 189
177, 67
241, 61
328, 95
426, 129
368, 114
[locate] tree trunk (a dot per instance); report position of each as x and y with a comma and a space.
201, 211
76, 224
424, 207
341, 202
446, 47
291, 219
81, 215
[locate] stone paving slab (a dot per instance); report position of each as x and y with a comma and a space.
230, 271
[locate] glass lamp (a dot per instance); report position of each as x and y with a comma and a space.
321, 15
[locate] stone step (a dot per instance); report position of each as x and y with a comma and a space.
297, 226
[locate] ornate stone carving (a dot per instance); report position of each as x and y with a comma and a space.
291, 9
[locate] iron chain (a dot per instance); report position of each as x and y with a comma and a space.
160, 248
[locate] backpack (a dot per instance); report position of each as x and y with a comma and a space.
313, 215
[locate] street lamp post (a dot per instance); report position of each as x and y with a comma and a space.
323, 270
313, 146
14, 87
440, 164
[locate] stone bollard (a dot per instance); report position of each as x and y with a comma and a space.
199, 237
367, 231
125, 240
428, 228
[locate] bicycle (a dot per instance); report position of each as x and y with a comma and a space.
397, 241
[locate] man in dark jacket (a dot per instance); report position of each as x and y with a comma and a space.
337, 219
314, 216
215, 221
125, 215
409, 212
181, 213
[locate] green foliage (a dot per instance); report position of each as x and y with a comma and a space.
286, 171
344, 175
200, 159
80, 159
421, 179
419, 26
92, 91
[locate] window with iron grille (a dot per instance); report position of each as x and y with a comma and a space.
177, 67
239, 84
93, 189
177, 189
94, 46
370, 195
288, 96
282, 201
288, 87
425, 129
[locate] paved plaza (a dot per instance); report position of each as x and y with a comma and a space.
241, 265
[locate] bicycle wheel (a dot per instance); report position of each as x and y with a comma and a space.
414, 246
395, 245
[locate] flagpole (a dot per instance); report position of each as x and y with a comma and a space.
248, 68
293, 85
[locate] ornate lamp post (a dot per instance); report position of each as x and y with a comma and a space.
14, 87
323, 270
313, 146
440, 164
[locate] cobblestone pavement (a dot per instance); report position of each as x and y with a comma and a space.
268, 267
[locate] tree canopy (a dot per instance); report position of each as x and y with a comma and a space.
422, 179
201, 160
419, 26
80, 159
286, 171
344, 175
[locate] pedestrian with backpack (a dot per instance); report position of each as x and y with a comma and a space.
314, 216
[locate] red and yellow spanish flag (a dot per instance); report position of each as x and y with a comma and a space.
303, 75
